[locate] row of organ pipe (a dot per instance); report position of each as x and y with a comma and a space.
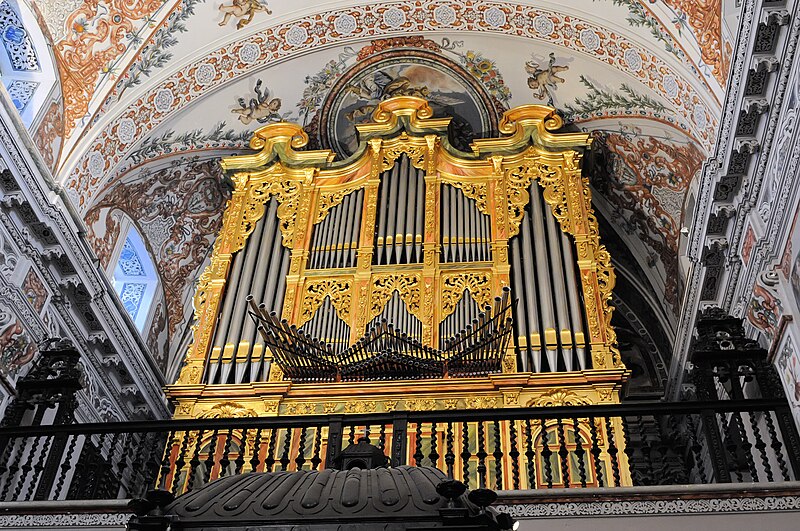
326, 326
549, 319
334, 240
465, 231
238, 353
396, 314
400, 215
465, 312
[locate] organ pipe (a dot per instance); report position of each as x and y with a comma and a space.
400, 214
465, 234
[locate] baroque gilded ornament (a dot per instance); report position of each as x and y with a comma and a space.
497, 175
479, 286
316, 291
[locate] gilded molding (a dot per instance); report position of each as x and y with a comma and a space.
479, 285
339, 291
407, 285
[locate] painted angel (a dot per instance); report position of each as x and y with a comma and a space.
243, 10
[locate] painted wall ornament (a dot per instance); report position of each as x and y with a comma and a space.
544, 81
243, 11
465, 85
262, 108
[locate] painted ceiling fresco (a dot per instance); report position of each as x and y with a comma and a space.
156, 84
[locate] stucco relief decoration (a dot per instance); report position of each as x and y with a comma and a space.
648, 180
179, 213
49, 132
787, 362
34, 290
765, 310
261, 108
17, 348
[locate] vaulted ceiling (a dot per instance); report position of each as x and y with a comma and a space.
150, 95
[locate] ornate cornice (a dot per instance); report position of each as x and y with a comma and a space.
44, 208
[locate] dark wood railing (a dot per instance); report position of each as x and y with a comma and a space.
601, 446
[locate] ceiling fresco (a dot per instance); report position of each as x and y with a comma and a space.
158, 84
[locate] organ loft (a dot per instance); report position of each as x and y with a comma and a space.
408, 276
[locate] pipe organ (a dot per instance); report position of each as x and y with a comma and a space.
455, 279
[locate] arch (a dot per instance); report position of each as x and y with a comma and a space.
27, 66
134, 278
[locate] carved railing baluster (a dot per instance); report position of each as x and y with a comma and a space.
418, 455
315, 458
595, 451
696, 449
255, 460
612, 452
180, 463
579, 453
563, 453
212, 455
269, 461
513, 454
530, 455
449, 456
465, 453
287, 446
433, 456
239, 461
195, 462
776, 445
761, 446
546, 453
498, 456
225, 461
481, 455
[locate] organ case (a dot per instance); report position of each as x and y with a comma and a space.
411, 241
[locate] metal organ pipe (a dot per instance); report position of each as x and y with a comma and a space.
576, 316
354, 234
532, 274
548, 324
264, 257
382, 214
445, 217
399, 237
391, 224
419, 215
559, 289
410, 230
523, 322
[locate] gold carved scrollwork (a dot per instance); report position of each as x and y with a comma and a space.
329, 199
476, 191
454, 284
416, 152
559, 397
337, 289
228, 410
407, 285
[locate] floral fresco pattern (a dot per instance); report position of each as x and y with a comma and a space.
178, 211
302, 34
99, 32
648, 180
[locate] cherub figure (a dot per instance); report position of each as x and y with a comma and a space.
262, 108
544, 80
244, 10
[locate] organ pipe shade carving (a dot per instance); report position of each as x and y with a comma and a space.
408, 239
